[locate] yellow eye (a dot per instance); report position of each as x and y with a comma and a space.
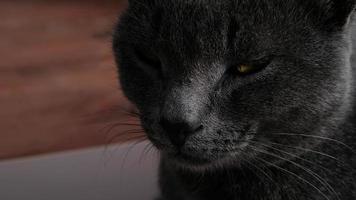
245, 69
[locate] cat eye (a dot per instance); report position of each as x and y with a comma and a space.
247, 69
149, 62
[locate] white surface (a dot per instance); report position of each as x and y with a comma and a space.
96, 174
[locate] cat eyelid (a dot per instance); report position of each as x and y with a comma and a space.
259, 61
147, 58
149, 62
253, 61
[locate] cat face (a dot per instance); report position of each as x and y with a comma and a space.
217, 82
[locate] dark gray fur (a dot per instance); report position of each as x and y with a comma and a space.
175, 59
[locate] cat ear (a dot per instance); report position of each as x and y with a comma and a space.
337, 13
132, 1
139, 1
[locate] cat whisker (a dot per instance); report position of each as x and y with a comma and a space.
118, 135
132, 146
128, 124
305, 149
109, 127
126, 132
121, 135
133, 112
298, 157
259, 169
295, 175
316, 137
149, 150
126, 155
153, 150
263, 172
144, 152
310, 172
124, 110
290, 154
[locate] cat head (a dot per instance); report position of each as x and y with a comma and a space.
217, 82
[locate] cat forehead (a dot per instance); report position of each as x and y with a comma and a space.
212, 5
250, 3
212, 28
245, 12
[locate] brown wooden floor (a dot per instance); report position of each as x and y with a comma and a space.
58, 84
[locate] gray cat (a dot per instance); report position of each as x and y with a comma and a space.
245, 99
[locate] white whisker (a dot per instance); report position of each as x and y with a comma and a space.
316, 137
310, 172
295, 175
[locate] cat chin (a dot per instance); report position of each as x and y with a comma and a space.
203, 165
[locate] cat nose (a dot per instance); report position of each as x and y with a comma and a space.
179, 131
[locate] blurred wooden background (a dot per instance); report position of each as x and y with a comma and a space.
58, 82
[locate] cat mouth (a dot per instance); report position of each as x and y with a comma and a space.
205, 158
201, 160
188, 159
